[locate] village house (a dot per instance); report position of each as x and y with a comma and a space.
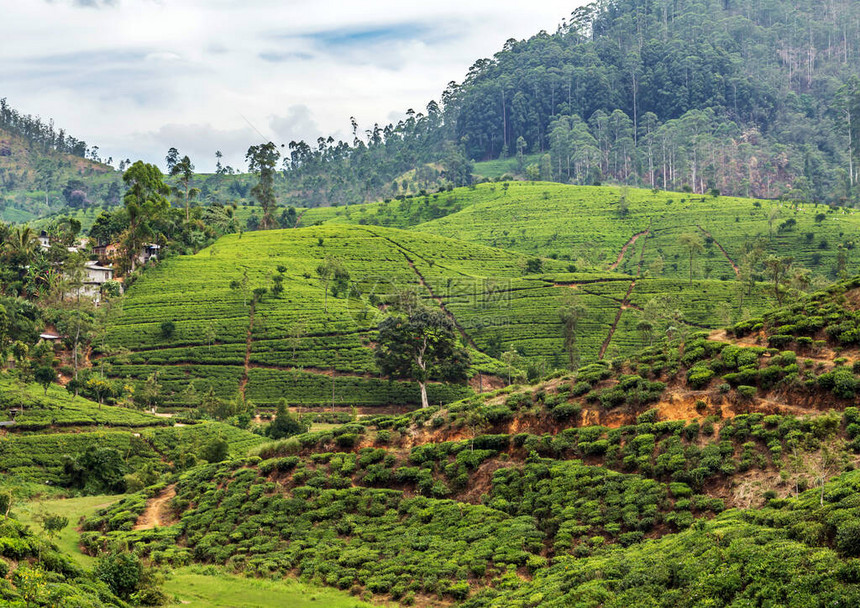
108, 253
95, 276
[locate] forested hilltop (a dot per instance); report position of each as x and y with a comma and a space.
741, 97
746, 97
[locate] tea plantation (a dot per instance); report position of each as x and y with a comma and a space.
589, 225
596, 487
197, 322
34, 409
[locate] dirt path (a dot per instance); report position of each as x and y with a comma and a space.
153, 516
629, 243
725, 253
466, 337
612, 329
625, 302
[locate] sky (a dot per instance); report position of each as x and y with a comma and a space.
137, 77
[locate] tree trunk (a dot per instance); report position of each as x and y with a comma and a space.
424, 401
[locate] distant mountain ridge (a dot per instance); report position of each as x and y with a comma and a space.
39, 161
749, 98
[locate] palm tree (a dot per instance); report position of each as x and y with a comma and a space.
22, 243
693, 244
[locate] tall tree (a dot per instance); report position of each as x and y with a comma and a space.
778, 268
145, 202
332, 270
692, 243
421, 347
571, 313
262, 160
184, 170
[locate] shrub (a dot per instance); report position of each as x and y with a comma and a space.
779, 340
580, 388
648, 417
699, 377
122, 572
848, 538
566, 411
168, 328
215, 450
844, 384
746, 392
347, 440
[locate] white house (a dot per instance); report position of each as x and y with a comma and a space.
95, 275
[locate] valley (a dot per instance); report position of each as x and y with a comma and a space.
582, 332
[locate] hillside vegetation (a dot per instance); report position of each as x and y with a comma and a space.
600, 487
744, 97
214, 321
590, 226
34, 174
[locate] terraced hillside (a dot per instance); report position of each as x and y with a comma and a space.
51, 428
711, 471
592, 227
312, 348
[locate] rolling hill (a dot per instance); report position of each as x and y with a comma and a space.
32, 178
696, 471
313, 349
590, 226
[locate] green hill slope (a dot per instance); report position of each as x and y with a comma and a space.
517, 498
32, 178
304, 346
590, 226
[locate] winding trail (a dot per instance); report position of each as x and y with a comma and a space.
152, 514
725, 253
632, 241
621, 308
466, 337
625, 303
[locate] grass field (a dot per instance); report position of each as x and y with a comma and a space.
209, 587
59, 408
288, 339
190, 586
589, 225
73, 508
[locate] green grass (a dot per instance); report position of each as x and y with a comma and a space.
73, 508
584, 223
209, 587
495, 169
194, 293
40, 457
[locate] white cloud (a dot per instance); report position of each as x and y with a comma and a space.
139, 76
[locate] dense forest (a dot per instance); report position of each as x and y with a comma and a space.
743, 96
42, 135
